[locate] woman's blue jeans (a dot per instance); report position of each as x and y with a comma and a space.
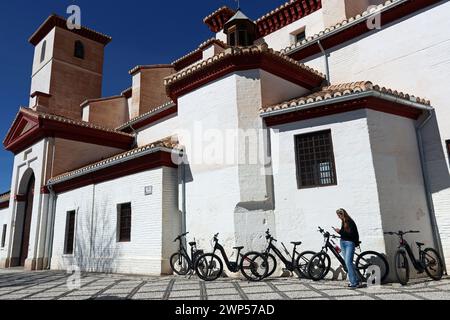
348, 252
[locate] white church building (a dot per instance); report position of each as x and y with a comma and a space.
272, 124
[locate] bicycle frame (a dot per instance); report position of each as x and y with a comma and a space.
329, 246
416, 263
290, 265
232, 266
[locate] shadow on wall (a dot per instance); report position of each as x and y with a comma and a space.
96, 244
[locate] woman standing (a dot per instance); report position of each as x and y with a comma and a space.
349, 242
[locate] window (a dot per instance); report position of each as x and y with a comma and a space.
44, 47
79, 50
124, 222
299, 37
4, 235
70, 232
315, 160
448, 148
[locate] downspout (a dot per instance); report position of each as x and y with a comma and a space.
327, 66
183, 194
434, 226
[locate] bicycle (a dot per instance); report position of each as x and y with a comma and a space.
209, 266
180, 262
320, 264
298, 261
429, 260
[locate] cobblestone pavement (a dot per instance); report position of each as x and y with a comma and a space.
52, 285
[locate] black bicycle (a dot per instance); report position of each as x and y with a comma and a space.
253, 265
429, 260
180, 262
320, 264
296, 262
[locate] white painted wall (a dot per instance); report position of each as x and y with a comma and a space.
299, 212
284, 37
4, 219
409, 56
156, 131
399, 179
154, 222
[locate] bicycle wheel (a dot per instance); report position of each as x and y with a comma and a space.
254, 266
179, 263
402, 267
372, 258
303, 262
271, 264
209, 267
319, 266
433, 264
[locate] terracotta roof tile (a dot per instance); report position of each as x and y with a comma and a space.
236, 51
341, 25
42, 115
346, 89
165, 144
166, 105
4, 197
201, 47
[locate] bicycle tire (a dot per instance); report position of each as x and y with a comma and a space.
360, 266
202, 261
256, 260
302, 263
174, 262
271, 264
439, 264
323, 265
401, 262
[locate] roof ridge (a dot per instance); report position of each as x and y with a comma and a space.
156, 109
70, 121
168, 143
343, 89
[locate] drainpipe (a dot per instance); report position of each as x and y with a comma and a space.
327, 66
49, 240
434, 226
183, 193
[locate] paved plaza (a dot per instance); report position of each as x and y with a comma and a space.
17, 284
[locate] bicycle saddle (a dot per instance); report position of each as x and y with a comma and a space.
420, 244
192, 244
238, 248
296, 243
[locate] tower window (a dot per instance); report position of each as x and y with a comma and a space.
4, 235
44, 47
299, 37
79, 50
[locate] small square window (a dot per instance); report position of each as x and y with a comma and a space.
124, 222
299, 37
315, 160
448, 148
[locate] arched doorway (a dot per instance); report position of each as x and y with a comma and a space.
29, 197
24, 215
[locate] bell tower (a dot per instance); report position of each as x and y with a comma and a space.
67, 67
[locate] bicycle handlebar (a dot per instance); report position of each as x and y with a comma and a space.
181, 236
401, 233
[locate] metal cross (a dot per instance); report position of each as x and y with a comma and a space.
238, 3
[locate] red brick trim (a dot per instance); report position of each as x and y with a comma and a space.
147, 162
361, 28
372, 103
4, 205
43, 128
20, 197
151, 119
232, 63
56, 21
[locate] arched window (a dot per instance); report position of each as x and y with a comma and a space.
79, 50
44, 46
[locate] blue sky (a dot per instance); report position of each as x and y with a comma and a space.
143, 32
